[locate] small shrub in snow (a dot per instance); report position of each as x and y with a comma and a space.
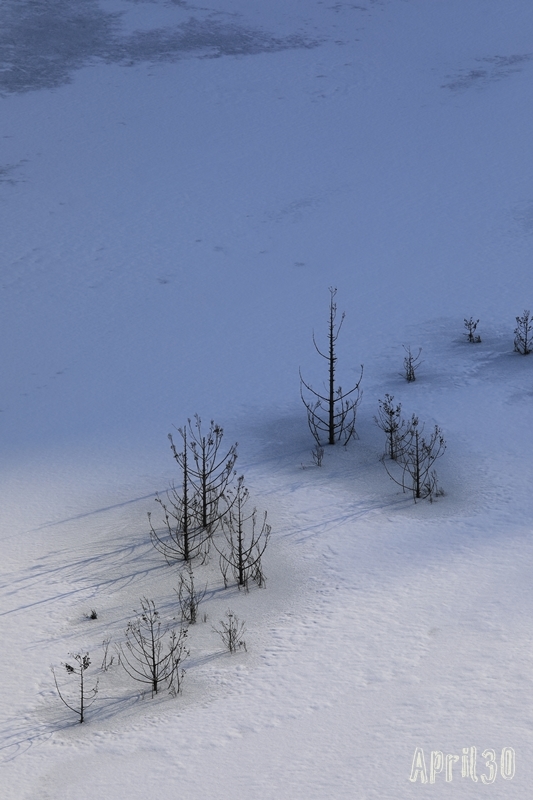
189, 598
390, 421
317, 454
411, 364
523, 334
331, 415
471, 335
86, 696
231, 632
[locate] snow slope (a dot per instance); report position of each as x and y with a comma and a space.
179, 185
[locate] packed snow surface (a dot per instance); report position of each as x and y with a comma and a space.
179, 186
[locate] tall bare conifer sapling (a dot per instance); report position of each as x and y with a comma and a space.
210, 471
183, 534
331, 415
192, 513
246, 537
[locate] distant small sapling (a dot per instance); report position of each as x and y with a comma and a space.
331, 414
411, 364
471, 335
523, 334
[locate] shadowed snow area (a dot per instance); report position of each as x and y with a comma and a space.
42, 42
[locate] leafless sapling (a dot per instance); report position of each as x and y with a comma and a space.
415, 461
471, 335
107, 661
189, 597
411, 364
317, 454
523, 334
210, 470
331, 416
231, 632
151, 654
183, 536
389, 419
246, 536
86, 696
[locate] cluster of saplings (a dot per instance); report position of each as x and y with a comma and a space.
410, 452
207, 511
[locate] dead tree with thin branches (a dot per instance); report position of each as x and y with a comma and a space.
209, 471
415, 461
183, 536
86, 696
331, 415
147, 657
246, 536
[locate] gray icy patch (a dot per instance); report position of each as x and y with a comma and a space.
6, 173
491, 69
523, 216
42, 42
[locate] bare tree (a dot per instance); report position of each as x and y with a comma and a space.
86, 696
390, 421
332, 414
145, 655
192, 512
246, 537
411, 364
231, 632
523, 334
471, 335
211, 471
415, 461
189, 597
183, 536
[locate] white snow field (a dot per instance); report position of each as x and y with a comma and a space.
180, 184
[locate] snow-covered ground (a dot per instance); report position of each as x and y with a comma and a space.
179, 186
